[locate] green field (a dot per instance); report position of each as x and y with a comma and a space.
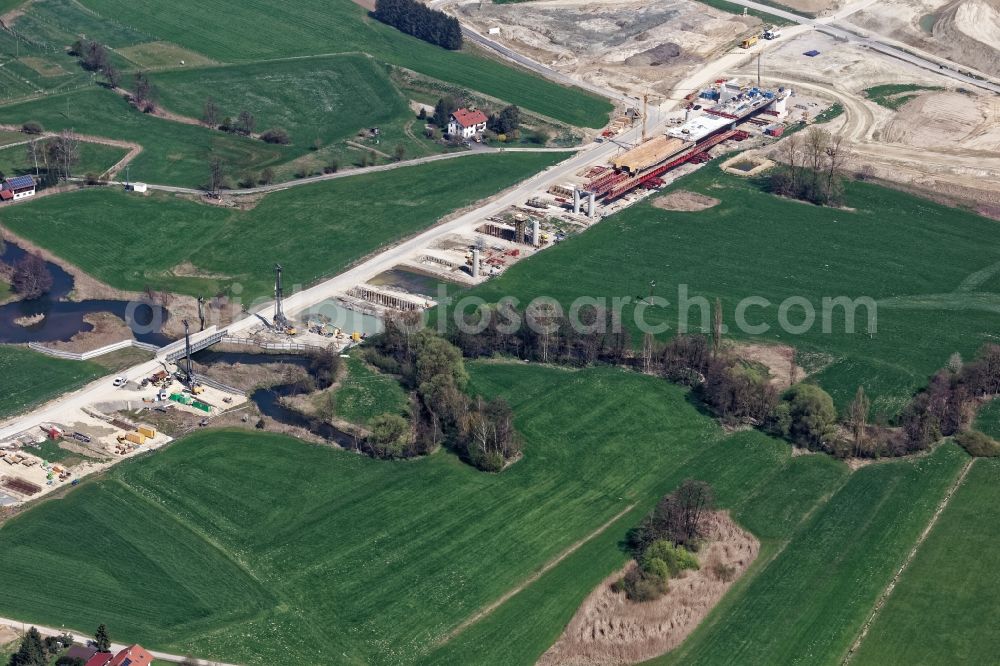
282, 539
313, 230
891, 95
173, 153
233, 31
930, 269
30, 378
95, 158
250, 546
938, 613
317, 98
365, 394
814, 596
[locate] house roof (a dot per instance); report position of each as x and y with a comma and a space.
81, 652
133, 655
6, 194
467, 118
17, 182
100, 659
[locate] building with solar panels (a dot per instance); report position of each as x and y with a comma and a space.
16, 188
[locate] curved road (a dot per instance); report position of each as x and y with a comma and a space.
264, 189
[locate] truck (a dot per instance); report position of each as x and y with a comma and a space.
771, 33
748, 42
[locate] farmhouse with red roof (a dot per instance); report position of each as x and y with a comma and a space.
18, 187
133, 655
466, 124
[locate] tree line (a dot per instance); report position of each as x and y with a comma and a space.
480, 431
419, 20
738, 392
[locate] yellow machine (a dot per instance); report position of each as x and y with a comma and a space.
749, 41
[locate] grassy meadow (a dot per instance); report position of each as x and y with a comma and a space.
931, 270
173, 153
365, 393
148, 34
937, 613
314, 230
30, 378
95, 158
280, 550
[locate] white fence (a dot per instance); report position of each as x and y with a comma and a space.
94, 353
270, 346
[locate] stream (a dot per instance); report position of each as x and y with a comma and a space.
268, 399
64, 319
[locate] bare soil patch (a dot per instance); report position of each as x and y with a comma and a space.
610, 629
685, 200
777, 359
107, 329
248, 376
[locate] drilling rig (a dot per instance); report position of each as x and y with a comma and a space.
188, 369
281, 322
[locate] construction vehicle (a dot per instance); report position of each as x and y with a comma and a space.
197, 389
748, 42
771, 33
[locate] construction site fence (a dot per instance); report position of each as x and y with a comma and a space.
269, 346
94, 353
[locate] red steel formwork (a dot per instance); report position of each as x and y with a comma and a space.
696, 154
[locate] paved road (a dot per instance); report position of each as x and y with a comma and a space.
876, 42
115, 647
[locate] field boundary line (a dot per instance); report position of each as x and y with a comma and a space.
887, 592
548, 566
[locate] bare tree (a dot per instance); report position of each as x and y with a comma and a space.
792, 152
245, 123
210, 113
217, 174
112, 76
61, 154
31, 277
859, 420
717, 327
648, 351
34, 152
837, 154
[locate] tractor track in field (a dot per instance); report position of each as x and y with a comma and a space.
548, 566
887, 592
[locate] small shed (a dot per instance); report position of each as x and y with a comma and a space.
137, 187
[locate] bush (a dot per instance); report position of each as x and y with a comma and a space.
812, 416
641, 585
32, 128
977, 444
723, 572
390, 436
674, 558
275, 135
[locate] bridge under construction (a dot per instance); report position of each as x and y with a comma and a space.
732, 103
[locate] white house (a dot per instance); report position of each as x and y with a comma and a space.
466, 124
18, 187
